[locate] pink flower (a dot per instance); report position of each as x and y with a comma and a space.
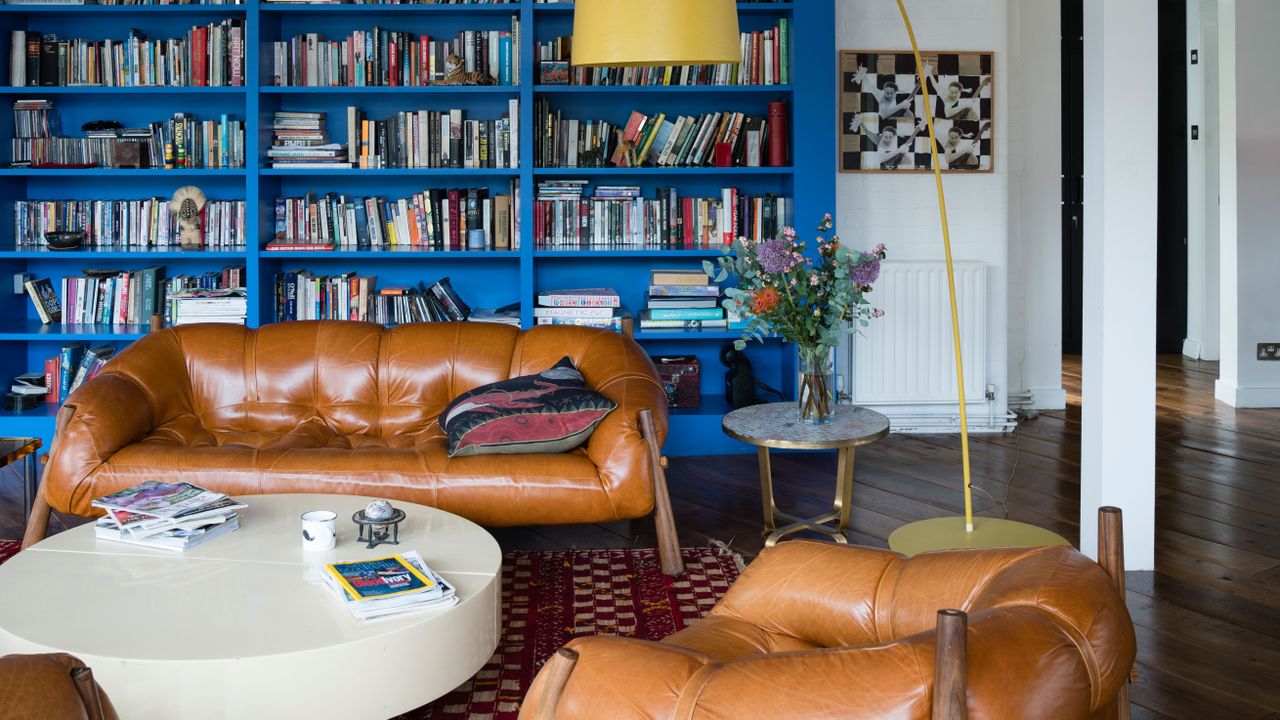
814, 280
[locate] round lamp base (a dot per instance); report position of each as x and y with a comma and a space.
949, 534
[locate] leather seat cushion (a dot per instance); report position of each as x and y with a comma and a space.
549, 489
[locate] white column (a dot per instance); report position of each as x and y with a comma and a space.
1117, 451
1249, 156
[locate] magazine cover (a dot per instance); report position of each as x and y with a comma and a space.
380, 578
166, 500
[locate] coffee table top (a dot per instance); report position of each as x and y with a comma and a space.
253, 595
776, 425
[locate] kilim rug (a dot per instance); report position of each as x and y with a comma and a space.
549, 598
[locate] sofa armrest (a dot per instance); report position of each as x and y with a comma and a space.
822, 593
110, 411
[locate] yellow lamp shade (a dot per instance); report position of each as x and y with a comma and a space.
655, 32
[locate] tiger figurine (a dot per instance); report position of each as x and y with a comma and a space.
455, 74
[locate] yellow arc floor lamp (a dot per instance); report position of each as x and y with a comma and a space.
956, 532
695, 32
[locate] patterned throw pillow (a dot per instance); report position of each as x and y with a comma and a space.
550, 412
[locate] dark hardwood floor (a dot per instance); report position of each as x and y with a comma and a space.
1208, 619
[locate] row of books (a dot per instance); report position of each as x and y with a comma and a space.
125, 224
617, 216
129, 3
67, 370
211, 54
302, 295
126, 297
180, 142
169, 516
382, 57
766, 60
443, 220
434, 139
722, 139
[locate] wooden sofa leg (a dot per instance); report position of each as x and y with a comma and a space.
668, 540
38, 523
951, 666
1111, 558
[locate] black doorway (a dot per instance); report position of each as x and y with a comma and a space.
1171, 220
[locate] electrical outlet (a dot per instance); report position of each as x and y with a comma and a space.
1269, 351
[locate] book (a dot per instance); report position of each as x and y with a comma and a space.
574, 312
655, 302
585, 297
684, 291
45, 300
89, 362
683, 314
678, 277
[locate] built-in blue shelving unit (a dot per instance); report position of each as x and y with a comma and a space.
484, 279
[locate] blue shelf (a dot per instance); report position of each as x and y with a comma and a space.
397, 253
33, 330
549, 254
118, 172
686, 335
390, 172
160, 10
664, 89
379, 9
671, 171
124, 90
387, 90
120, 254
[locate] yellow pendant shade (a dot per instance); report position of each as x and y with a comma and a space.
655, 32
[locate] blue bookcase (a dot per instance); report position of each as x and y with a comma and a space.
484, 279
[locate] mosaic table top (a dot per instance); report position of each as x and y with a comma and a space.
778, 425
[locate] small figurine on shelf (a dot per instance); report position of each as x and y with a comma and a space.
187, 203
455, 74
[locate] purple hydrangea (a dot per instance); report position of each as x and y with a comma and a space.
774, 255
866, 273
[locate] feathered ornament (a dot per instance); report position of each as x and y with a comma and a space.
187, 203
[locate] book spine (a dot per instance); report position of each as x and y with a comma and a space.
778, 133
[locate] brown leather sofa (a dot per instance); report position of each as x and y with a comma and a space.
813, 631
351, 408
55, 686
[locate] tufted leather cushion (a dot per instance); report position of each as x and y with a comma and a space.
52, 686
345, 407
817, 630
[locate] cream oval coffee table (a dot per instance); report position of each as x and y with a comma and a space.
238, 627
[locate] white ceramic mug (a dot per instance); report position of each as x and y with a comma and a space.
319, 530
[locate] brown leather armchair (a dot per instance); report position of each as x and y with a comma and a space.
816, 630
352, 408
55, 686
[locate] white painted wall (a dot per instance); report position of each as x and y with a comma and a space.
1249, 221
901, 210
1034, 156
1117, 445
1201, 342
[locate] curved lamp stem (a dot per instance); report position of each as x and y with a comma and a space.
951, 277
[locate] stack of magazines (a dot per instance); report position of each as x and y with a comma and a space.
388, 587
169, 516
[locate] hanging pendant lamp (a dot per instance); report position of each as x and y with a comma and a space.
655, 32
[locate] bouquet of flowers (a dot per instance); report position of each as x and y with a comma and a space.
810, 299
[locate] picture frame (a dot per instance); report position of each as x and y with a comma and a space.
882, 121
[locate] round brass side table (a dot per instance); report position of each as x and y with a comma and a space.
775, 425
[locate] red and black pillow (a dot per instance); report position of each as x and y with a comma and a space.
550, 412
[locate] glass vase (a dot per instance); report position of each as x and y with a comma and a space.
816, 394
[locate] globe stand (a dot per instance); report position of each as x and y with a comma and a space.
379, 531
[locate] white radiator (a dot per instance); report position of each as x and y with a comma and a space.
906, 358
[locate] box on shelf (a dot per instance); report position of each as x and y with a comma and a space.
681, 377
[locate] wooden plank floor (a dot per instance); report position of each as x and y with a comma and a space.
1208, 619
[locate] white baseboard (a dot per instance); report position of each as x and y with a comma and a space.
1191, 348
1246, 397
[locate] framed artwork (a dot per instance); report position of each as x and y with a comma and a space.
882, 122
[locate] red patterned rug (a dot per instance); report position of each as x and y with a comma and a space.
549, 598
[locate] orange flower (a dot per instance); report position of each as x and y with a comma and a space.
764, 300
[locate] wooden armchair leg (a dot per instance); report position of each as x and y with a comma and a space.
951, 666
558, 670
1111, 558
38, 523
668, 540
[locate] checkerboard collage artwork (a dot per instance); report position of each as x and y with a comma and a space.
882, 112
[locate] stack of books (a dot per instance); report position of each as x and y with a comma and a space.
681, 300
227, 305
586, 307
300, 295
169, 516
301, 141
27, 392
388, 587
